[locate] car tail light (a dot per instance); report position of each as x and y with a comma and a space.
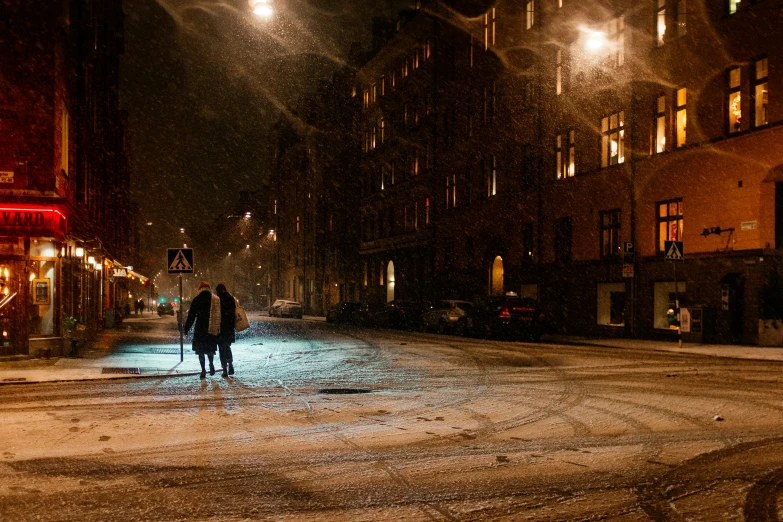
504, 313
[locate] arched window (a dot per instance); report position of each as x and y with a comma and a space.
496, 277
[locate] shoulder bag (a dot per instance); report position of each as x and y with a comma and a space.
240, 321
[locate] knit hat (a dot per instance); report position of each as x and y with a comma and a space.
204, 285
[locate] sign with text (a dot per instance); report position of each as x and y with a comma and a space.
32, 221
180, 260
6, 176
119, 272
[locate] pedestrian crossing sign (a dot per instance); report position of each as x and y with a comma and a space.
673, 250
180, 260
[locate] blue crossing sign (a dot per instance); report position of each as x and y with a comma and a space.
180, 260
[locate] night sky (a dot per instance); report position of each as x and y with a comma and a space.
203, 81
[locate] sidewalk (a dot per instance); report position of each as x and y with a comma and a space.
162, 360
731, 351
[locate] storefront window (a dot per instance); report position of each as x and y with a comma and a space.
611, 304
665, 306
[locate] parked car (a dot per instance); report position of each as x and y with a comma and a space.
446, 316
286, 308
342, 312
405, 314
508, 316
165, 309
371, 314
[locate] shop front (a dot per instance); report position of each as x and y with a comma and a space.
31, 243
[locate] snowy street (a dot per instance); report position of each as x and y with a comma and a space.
328, 422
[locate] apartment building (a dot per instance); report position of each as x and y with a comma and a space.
569, 142
313, 219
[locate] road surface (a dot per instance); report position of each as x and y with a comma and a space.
325, 422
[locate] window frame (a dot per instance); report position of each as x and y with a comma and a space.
660, 125
681, 109
735, 126
757, 82
667, 220
610, 233
607, 131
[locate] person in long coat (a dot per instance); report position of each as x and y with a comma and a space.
206, 326
227, 335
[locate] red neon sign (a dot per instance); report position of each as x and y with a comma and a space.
29, 221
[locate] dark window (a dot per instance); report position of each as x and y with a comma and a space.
610, 234
563, 236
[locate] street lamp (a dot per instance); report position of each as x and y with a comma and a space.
261, 8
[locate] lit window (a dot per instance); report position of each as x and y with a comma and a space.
427, 211
571, 153
565, 158
760, 93
366, 97
681, 116
613, 139
669, 222
530, 14
374, 92
451, 191
616, 40
734, 5
660, 124
492, 29
374, 133
559, 72
559, 173
735, 100
682, 18
365, 273
610, 234
416, 59
661, 22
486, 31
297, 224
383, 86
492, 177
427, 49
382, 126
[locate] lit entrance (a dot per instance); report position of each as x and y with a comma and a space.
390, 282
496, 277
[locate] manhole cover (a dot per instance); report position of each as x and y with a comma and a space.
130, 371
343, 391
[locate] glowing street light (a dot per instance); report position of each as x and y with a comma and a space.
596, 40
261, 8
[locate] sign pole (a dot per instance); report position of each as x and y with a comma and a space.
179, 321
677, 305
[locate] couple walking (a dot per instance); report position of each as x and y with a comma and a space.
214, 316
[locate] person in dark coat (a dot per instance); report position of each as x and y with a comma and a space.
201, 313
227, 335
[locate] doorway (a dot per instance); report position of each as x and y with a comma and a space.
496, 277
